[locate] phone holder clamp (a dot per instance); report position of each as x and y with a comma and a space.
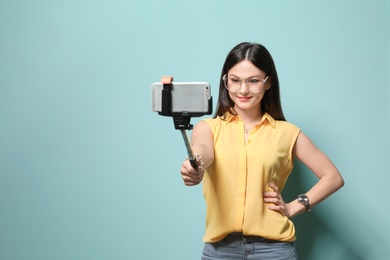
181, 120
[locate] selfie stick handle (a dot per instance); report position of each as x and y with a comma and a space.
190, 153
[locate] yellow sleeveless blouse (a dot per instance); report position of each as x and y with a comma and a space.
234, 183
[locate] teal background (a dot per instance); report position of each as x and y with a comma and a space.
88, 171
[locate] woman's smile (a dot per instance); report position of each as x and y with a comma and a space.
244, 99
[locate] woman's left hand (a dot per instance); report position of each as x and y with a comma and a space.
276, 199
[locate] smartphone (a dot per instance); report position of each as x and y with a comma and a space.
193, 98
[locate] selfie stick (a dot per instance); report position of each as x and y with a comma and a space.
190, 153
180, 120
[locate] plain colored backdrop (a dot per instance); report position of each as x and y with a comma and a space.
89, 172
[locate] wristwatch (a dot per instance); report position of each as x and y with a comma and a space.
304, 200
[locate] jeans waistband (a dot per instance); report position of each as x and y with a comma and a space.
241, 236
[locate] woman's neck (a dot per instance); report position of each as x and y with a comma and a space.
249, 117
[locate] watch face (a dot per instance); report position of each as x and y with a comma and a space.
303, 199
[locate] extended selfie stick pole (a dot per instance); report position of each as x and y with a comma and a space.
181, 120
190, 153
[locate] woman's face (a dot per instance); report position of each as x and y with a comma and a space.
244, 99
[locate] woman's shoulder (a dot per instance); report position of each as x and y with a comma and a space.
212, 122
218, 119
286, 124
287, 129
280, 124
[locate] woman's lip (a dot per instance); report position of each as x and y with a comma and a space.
244, 98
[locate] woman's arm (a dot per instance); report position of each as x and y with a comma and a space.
202, 146
330, 179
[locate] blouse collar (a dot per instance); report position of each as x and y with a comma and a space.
229, 117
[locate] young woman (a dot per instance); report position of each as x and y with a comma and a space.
246, 153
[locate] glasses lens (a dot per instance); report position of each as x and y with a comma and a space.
233, 83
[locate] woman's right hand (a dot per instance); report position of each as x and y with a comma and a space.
190, 175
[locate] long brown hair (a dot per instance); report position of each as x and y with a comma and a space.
262, 59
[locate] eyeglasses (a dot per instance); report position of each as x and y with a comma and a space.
233, 83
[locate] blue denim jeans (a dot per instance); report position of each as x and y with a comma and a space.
237, 246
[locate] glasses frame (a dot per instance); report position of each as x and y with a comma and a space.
262, 81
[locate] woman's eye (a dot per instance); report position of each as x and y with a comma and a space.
253, 81
236, 80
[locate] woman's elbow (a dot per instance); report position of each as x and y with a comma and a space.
339, 181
